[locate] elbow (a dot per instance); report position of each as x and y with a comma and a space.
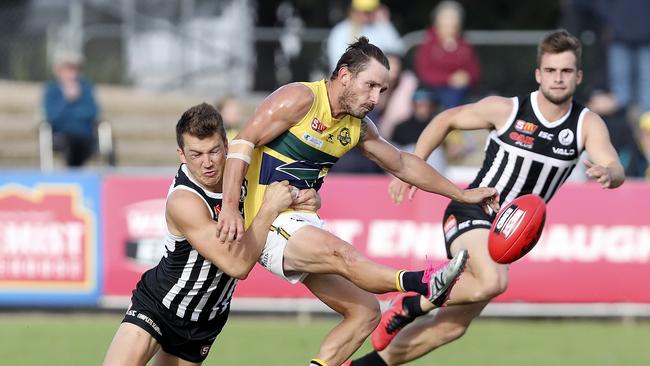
618, 178
240, 276
619, 182
239, 272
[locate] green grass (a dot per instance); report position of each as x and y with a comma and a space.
61, 339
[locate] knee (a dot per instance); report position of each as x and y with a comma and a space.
366, 316
370, 315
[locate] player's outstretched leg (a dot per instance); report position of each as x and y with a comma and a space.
313, 250
404, 309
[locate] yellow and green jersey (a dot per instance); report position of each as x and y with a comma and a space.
303, 154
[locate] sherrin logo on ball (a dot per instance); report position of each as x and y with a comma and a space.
516, 228
509, 221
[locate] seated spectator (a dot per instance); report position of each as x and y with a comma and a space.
445, 63
231, 112
395, 104
365, 18
621, 133
406, 134
71, 110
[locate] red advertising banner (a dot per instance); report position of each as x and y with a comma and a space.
595, 247
48, 239
134, 222
44, 239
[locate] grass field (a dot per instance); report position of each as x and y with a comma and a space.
82, 339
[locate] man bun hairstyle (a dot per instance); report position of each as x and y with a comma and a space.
201, 121
557, 42
357, 56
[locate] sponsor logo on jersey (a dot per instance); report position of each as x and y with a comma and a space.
450, 227
545, 135
522, 140
145, 319
330, 138
312, 140
344, 136
481, 222
317, 125
563, 151
509, 221
205, 350
566, 137
525, 127
264, 260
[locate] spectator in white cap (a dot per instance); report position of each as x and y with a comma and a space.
71, 109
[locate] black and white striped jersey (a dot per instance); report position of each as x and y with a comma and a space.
530, 154
186, 283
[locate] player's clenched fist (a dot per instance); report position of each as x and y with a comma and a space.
278, 196
230, 226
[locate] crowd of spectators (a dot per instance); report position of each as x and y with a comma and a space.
442, 72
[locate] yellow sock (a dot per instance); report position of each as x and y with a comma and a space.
317, 362
398, 281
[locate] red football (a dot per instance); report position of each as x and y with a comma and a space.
516, 228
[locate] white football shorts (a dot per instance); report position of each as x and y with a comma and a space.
282, 228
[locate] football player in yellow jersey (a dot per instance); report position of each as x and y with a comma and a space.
296, 134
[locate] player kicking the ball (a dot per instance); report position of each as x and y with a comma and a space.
297, 134
534, 144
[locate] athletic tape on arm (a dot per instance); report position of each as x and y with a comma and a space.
242, 142
245, 158
240, 149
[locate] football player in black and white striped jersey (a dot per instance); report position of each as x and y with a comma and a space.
534, 143
180, 306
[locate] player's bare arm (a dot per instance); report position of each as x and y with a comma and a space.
604, 166
277, 113
414, 170
187, 216
488, 113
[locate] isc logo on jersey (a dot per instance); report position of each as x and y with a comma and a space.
545, 135
509, 221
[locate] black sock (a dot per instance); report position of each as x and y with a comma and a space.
412, 281
371, 359
412, 306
